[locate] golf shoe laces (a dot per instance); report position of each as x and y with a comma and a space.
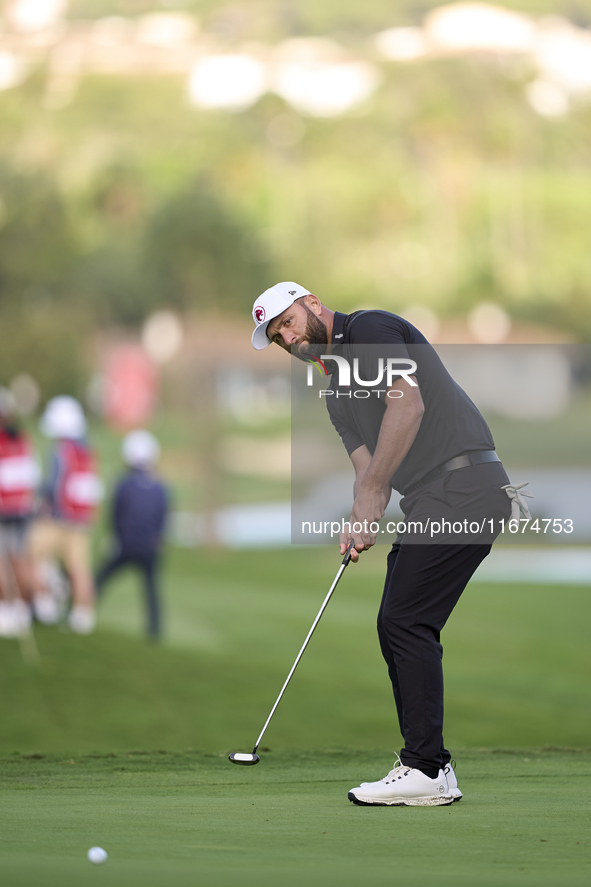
395, 773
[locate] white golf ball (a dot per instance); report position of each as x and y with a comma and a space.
97, 855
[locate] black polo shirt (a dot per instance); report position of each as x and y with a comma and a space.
451, 424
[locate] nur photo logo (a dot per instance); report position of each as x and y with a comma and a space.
389, 370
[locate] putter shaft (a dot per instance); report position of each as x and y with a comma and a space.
346, 560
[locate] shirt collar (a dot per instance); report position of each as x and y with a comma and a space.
338, 326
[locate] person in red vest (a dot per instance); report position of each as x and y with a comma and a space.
71, 496
19, 475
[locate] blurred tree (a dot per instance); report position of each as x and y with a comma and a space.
111, 214
197, 253
445, 188
41, 325
191, 251
50, 344
37, 246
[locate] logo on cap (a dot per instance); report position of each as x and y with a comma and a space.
292, 292
259, 314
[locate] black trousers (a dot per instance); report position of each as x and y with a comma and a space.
424, 582
147, 564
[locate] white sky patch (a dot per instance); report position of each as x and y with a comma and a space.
563, 55
34, 15
12, 70
324, 89
230, 81
479, 27
403, 44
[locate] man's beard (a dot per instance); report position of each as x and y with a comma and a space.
315, 338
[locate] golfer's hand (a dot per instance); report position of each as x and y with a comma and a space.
344, 539
368, 510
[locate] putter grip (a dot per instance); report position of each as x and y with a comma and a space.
347, 557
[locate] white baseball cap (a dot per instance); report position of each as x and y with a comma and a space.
273, 302
63, 418
140, 449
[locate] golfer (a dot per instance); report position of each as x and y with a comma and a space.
422, 436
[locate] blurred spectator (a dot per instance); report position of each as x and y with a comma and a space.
140, 507
70, 498
19, 475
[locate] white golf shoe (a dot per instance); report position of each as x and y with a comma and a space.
403, 786
82, 620
8, 623
15, 619
23, 617
452, 782
46, 609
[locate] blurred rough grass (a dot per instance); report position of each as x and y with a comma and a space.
516, 660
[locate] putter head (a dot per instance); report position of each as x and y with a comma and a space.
243, 758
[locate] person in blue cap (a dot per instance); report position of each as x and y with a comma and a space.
140, 507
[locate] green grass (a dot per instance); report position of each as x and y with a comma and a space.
193, 818
108, 740
516, 658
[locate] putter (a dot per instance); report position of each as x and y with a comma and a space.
253, 758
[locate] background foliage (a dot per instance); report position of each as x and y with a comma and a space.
445, 188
